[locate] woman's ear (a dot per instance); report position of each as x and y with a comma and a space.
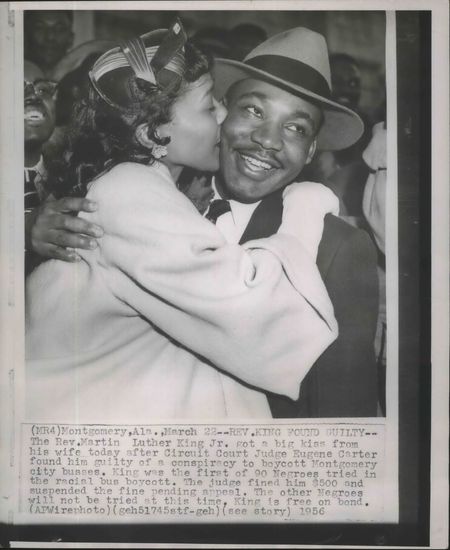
141, 135
154, 147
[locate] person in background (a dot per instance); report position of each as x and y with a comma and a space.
374, 207
39, 123
50, 222
48, 37
73, 87
374, 200
197, 187
344, 171
214, 41
345, 80
244, 38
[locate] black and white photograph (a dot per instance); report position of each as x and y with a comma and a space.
219, 287
180, 319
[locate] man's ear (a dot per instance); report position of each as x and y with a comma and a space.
141, 135
312, 151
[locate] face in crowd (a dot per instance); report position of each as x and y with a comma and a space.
39, 109
267, 138
49, 36
346, 81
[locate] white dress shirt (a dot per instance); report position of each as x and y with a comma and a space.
39, 167
232, 224
38, 183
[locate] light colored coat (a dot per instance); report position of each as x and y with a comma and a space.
130, 333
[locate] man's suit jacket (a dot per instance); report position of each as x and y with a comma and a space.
343, 381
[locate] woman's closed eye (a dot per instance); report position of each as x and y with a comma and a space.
211, 104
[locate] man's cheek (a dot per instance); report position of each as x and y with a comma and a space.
233, 126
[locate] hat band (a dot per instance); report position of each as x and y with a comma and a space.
293, 72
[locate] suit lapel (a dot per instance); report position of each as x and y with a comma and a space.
328, 247
266, 218
265, 221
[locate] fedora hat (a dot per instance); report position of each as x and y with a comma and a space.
297, 61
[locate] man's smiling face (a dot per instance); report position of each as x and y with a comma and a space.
39, 111
266, 139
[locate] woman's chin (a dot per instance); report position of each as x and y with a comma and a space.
209, 164
213, 165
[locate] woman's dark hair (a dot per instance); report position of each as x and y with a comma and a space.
102, 136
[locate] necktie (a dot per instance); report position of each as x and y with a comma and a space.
31, 196
216, 209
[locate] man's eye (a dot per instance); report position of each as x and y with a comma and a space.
298, 129
253, 110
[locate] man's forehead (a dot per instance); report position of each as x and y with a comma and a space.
275, 95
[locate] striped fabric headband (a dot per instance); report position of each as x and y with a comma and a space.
161, 64
115, 59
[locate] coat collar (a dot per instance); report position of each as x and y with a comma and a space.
266, 218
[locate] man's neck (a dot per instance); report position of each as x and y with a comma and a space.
225, 194
32, 156
220, 187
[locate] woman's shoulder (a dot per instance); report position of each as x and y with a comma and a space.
141, 194
131, 178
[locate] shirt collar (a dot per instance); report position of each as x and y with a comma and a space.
39, 167
241, 211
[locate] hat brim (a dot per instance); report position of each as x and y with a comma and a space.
341, 127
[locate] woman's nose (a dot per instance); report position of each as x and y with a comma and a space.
221, 111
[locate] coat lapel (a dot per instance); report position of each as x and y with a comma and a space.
265, 221
328, 247
266, 218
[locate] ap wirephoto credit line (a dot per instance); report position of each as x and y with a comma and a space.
216, 278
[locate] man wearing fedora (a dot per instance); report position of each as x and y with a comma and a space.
279, 111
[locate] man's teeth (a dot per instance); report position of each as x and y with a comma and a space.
34, 115
257, 163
